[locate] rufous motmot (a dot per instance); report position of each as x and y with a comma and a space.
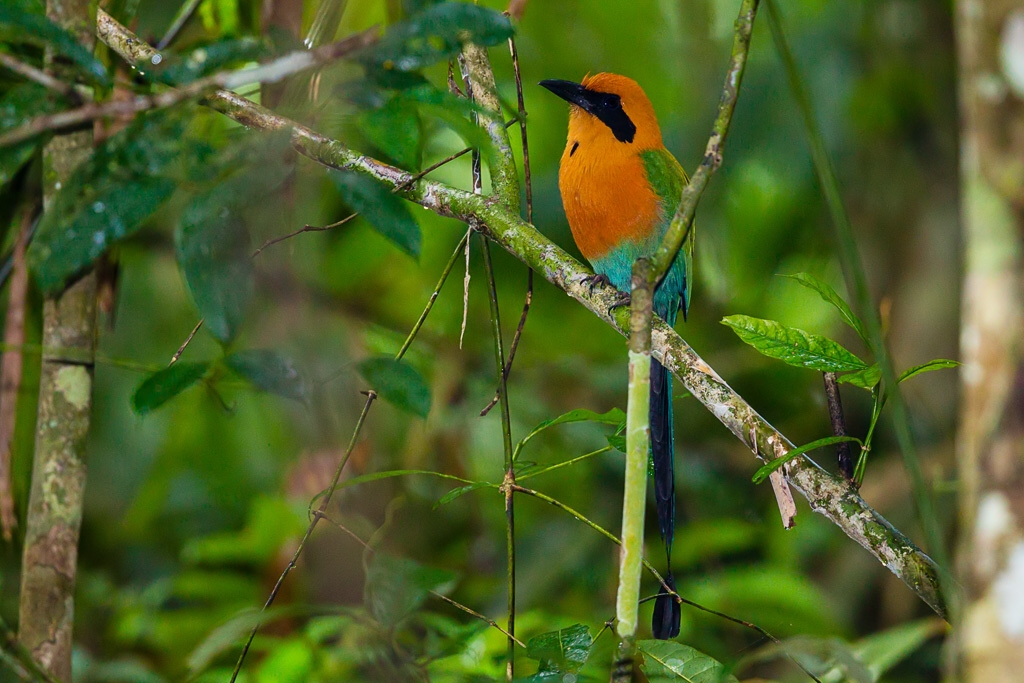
620, 188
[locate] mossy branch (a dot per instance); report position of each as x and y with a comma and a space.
827, 495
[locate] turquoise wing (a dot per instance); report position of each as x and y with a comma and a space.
668, 179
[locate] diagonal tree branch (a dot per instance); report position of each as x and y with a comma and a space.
826, 494
271, 72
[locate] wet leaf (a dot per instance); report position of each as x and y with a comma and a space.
826, 292
398, 383
204, 61
162, 386
436, 33
18, 27
385, 210
665, 661
19, 105
560, 652
213, 252
270, 371
107, 199
396, 586
395, 129
793, 346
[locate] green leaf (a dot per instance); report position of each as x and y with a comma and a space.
377, 476
204, 61
865, 379
770, 467
213, 253
882, 651
829, 658
396, 130
937, 364
793, 346
397, 383
666, 660
291, 661
456, 112
19, 105
564, 651
19, 27
162, 386
106, 199
396, 586
458, 492
385, 210
271, 372
830, 295
617, 441
613, 417
436, 34
232, 634
270, 523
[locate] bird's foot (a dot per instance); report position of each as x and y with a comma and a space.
621, 299
595, 280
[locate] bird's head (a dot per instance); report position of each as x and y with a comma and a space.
609, 109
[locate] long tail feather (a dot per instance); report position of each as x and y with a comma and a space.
666, 615
662, 451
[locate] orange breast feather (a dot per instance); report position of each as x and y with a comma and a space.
606, 196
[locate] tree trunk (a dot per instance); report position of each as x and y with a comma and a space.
990, 448
65, 398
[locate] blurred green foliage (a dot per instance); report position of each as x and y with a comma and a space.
196, 500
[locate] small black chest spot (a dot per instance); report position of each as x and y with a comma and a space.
575, 144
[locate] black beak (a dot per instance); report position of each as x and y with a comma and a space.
605, 106
573, 93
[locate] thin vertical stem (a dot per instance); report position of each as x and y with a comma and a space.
634, 498
320, 512
10, 366
844, 457
506, 431
433, 297
474, 64
528, 301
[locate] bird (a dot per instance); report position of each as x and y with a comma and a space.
620, 187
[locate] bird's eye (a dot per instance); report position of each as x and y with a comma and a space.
612, 101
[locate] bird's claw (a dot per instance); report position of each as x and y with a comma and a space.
622, 299
595, 280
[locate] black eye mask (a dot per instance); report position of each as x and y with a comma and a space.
607, 107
